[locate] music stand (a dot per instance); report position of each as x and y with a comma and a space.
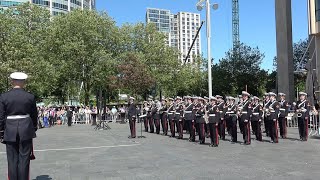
142, 116
102, 125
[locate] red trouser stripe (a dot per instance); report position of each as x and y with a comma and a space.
284, 125
276, 126
217, 139
203, 131
165, 124
306, 124
248, 132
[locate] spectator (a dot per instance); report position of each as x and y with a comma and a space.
122, 111
94, 112
87, 112
81, 114
114, 114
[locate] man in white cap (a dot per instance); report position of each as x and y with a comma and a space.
232, 119
273, 119
18, 124
256, 118
245, 117
222, 122
156, 115
302, 110
179, 116
190, 118
266, 104
284, 110
214, 114
132, 115
164, 116
171, 117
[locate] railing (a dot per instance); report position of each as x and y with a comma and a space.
313, 124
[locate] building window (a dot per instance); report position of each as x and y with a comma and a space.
9, 3
76, 2
41, 2
317, 10
60, 6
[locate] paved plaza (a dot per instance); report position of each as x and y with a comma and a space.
80, 153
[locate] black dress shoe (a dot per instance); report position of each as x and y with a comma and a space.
215, 145
211, 145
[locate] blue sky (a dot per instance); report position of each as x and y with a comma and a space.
257, 21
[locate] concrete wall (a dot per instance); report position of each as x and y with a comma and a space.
285, 77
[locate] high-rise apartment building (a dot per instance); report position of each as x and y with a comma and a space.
55, 7
180, 28
188, 26
161, 19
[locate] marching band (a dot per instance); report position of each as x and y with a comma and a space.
214, 117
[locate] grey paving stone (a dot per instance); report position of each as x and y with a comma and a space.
115, 157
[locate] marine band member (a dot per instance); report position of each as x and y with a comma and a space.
245, 117
156, 115
164, 116
150, 115
189, 118
273, 118
132, 115
179, 116
222, 122
266, 114
232, 118
302, 110
145, 110
200, 121
214, 114
171, 116
284, 110
256, 118
18, 126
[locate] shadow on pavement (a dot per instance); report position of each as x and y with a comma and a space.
43, 177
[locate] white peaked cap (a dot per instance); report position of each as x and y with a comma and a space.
18, 76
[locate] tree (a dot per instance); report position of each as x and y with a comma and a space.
300, 58
239, 70
23, 33
133, 74
79, 41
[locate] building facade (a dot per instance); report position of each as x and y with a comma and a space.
188, 26
55, 7
161, 19
314, 40
180, 28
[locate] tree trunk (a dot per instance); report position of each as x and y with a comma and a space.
86, 94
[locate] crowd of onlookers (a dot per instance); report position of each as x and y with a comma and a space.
50, 116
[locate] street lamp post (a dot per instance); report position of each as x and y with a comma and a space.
215, 6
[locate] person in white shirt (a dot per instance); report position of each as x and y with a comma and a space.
87, 112
114, 114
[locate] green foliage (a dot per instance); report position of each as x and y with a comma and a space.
73, 56
23, 31
299, 62
239, 70
83, 49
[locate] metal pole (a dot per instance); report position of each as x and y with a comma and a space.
209, 48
